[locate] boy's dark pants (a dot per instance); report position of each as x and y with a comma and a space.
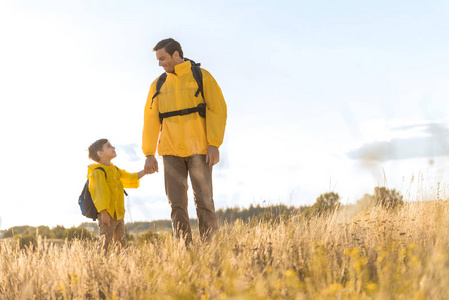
176, 170
115, 230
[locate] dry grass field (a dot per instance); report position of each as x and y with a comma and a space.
366, 254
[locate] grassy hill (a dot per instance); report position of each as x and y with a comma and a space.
355, 252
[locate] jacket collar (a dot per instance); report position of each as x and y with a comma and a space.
181, 68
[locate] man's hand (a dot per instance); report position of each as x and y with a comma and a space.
212, 156
151, 165
105, 217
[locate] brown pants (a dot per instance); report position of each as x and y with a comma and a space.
115, 230
176, 170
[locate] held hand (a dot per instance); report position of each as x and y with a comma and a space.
105, 217
212, 156
151, 165
141, 174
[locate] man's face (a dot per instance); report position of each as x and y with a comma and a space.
166, 61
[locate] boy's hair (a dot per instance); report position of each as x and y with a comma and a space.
95, 147
170, 46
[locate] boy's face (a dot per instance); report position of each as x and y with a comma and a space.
107, 152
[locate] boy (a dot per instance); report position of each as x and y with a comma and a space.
107, 190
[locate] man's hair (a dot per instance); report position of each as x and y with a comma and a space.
170, 46
95, 147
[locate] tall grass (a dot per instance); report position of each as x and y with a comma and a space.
349, 254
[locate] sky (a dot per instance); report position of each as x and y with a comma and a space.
323, 96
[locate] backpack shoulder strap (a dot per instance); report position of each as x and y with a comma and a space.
198, 75
160, 82
100, 168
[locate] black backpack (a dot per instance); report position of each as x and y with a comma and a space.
85, 201
201, 108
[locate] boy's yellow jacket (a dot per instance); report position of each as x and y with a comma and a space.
107, 193
189, 134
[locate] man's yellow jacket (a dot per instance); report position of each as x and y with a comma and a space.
185, 135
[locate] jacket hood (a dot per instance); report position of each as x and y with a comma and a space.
92, 167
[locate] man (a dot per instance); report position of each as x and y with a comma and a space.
187, 126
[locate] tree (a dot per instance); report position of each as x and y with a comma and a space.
387, 198
59, 232
324, 204
8, 233
327, 202
43, 231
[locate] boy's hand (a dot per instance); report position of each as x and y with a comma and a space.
151, 165
141, 174
105, 217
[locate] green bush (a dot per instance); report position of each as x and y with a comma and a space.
27, 241
150, 236
77, 233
